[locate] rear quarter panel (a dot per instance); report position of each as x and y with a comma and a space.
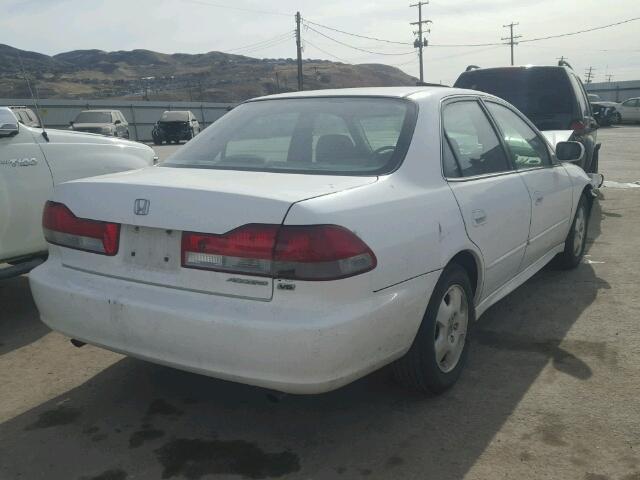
411, 230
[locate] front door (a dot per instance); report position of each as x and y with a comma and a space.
25, 185
549, 185
630, 110
493, 199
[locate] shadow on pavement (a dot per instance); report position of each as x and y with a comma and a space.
19, 322
137, 420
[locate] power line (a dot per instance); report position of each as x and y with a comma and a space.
581, 31
356, 48
262, 47
357, 35
277, 37
488, 44
307, 42
241, 9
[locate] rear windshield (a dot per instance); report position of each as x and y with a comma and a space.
339, 135
93, 117
174, 117
539, 93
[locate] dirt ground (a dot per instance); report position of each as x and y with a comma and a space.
551, 391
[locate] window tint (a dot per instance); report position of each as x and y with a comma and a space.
527, 149
449, 163
630, 103
473, 140
337, 135
262, 139
543, 94
583, 102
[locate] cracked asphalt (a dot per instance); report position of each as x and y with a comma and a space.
551, 390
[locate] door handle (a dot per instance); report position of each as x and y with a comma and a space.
479, 217
538, 198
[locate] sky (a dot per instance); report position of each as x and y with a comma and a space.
265, 29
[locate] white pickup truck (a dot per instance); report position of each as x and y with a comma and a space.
32, 162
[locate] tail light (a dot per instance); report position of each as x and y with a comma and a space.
62, 227
300, 252
577, 126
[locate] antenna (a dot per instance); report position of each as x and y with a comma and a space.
34, 98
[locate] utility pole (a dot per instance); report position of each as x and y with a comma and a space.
609, 77
299, 50
420, 42
589, 75
511, 38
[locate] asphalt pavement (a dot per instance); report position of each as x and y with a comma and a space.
551, 390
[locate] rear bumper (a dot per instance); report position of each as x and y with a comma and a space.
284, 344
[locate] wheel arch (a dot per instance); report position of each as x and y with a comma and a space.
472, 264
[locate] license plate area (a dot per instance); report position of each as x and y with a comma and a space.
153, 248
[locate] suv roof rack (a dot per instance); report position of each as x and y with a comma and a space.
564, 63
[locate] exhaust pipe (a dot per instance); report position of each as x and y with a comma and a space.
77, 343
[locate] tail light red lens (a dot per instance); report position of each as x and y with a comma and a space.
305, 252
247, 249
577, 126
62, 227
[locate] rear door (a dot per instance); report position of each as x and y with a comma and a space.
548, 184
493, 199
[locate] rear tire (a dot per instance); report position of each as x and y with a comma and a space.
439, 351
576, 241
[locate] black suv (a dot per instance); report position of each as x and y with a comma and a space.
552, 97
175, 125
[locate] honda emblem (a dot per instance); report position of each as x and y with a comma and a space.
141, 206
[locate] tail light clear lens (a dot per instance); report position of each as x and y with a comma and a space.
62, 227
305, 252
247, 249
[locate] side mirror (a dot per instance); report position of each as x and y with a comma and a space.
71, 123
572, 152
117, 122
9, 129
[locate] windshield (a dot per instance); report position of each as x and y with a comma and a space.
174, 117
93, 117
542, 94
339, 135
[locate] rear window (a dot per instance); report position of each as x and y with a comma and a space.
542, 94
94, 117
339, 135
175, 117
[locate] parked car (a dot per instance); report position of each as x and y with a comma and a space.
32, 163
174, 126
306, 239
553, 98
105, 122
26, 116
605, 113
629, 110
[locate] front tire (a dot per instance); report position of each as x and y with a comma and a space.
576, 241
439, 351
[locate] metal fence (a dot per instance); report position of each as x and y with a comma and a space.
615, 91
140, 115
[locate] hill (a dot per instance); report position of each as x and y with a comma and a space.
212, 76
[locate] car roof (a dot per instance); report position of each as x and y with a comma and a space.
520, 67
389, 92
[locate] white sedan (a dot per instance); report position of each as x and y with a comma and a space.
307, 239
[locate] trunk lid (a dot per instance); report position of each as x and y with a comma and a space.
172, 200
